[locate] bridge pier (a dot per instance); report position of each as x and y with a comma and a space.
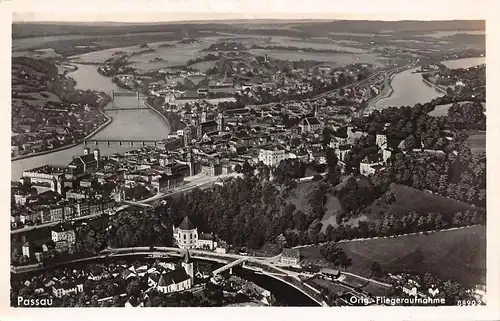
108, 142
143, 143
97, 142
120, 142
131, 143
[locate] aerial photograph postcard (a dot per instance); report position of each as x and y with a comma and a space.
248, 162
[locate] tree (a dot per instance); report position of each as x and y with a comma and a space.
327, 136
376, 268
336, 255
134, 288
281, 241
15, 257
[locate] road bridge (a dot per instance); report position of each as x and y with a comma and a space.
228, 266
118, 109
137, 204
120, 142
125, 94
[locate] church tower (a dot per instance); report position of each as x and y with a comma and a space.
187, 264
187, 135
60, 186
381, 141
220, 121
190, 160
97, 157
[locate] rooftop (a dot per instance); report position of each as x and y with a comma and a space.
293, 253
173, 277
186, 224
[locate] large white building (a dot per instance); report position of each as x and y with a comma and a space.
61, 234
186, 234
272, 155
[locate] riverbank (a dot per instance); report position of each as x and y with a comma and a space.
386, 93
433, 85
78, 142
165, 119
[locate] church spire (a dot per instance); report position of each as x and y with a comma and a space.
187, 257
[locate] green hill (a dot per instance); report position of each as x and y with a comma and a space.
455, 254
409, 199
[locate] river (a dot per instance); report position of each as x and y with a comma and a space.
464, 63
126, 124
408, 89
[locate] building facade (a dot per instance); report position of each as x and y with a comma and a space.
272, 155
186, 234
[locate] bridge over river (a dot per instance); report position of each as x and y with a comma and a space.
131, 142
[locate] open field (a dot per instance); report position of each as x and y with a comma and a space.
37, 54
477, 141
203, 66
34, 42
410, 199
314, 43
333, 59
176, 55
42, 96
442, 110
441, 34
455, 254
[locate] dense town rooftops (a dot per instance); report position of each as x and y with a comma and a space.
273, 147
46, 169
82, 160
312, 121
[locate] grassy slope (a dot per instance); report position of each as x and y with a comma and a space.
410, 199
30, 93
456, 254
299, 197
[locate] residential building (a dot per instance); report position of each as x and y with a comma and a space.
28, 249
310, 125
62, 234
222, 247
272, 155
61, 289
290, 256
206, 241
